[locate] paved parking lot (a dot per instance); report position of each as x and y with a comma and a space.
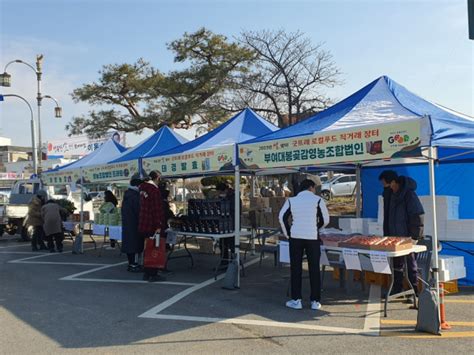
90, 304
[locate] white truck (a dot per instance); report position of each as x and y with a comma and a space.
14, 213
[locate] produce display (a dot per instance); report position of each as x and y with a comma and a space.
108, 215
377, 243
394, 243
362, 242
333, 240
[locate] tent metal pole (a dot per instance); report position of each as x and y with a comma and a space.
184, 197
435, 260
237, 222
78, 247
358, 192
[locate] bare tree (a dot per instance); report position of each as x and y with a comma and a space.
288, 77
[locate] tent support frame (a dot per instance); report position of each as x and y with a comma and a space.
435, 259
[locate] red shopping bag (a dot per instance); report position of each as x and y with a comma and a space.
154, 257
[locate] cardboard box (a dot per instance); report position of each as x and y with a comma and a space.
276, 203
259, 203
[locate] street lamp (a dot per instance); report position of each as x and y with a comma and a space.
58, 109
33, 129
5, 80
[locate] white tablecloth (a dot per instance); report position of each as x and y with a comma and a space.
115, 232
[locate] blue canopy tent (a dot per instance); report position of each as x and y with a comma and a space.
106, 152
73, 173
243, 126
162, 140
213, 153
444, 134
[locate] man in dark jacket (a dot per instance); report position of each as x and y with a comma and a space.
405, 219
385, 177
132, 240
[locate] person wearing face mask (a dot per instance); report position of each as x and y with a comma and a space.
405, 219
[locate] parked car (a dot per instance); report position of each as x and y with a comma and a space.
325, 177
342, 185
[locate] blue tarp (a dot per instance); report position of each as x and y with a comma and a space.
243, 126
162, 140
382, 101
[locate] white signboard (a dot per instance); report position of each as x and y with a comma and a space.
79, 146
351, 259
284, 251
380, 262
324, 257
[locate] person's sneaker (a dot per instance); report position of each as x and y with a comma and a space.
133, 268
146, 277
295, 304
52, 251
315, 305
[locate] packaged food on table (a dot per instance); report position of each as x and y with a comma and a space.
394, 244
333, 240
361, 242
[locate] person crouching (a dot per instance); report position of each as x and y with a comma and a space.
53, 225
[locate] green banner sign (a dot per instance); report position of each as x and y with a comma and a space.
203, 161
62, 177
94, 174
336, 146
111, 172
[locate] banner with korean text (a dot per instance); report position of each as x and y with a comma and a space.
94, 174
189, 163
111, 172
336, 146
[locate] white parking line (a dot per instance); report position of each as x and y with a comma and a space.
263, 323
132, 281
162, 306
370, 327
373, 312
42, 255
22, 252
73, 277
17, 246
58, 263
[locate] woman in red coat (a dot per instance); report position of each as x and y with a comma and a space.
151, 217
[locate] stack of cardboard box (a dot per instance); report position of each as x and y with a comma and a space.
267, 210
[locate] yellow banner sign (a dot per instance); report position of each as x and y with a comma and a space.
203, 161
339, 146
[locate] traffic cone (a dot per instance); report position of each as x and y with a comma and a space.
444, 323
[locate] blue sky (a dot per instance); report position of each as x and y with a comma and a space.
423, 45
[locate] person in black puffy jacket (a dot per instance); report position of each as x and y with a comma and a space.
405, 219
